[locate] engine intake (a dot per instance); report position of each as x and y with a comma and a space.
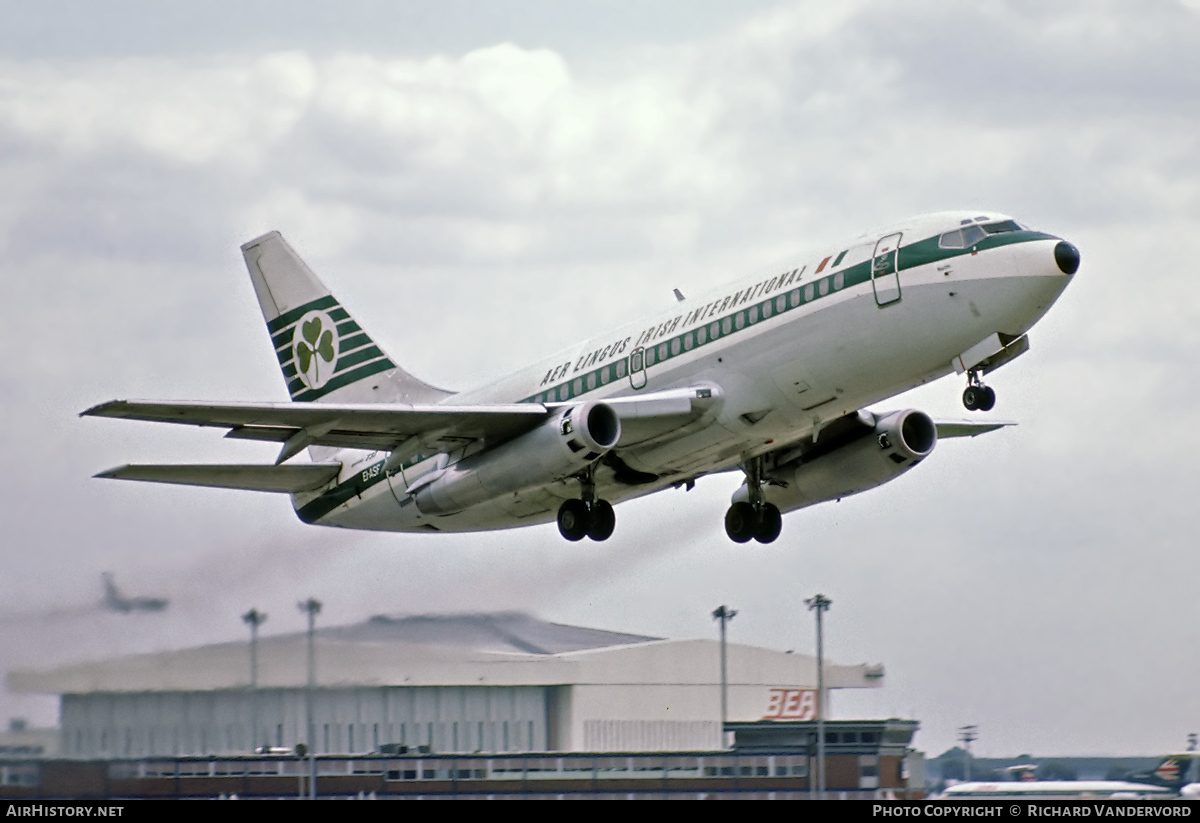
562, 445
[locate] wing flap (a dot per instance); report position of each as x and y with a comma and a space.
338, 438
285, 479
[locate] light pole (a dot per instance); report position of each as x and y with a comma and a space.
820, 604
312, 607
254, 618
724, 615
967, 734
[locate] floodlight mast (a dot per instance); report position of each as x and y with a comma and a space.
820, 604
312, 607
967, 734
254, 618
724, 614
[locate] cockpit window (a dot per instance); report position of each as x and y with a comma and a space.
961, 238
1002, 227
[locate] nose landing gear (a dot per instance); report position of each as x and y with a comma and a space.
756, 519
586, 517
978, 397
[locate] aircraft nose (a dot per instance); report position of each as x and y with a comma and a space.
1067, 257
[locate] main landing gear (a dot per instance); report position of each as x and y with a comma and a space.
586, 517
978, 397
757, 518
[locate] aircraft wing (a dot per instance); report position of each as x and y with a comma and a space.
354, 426
386, 427
290, 479
968, 428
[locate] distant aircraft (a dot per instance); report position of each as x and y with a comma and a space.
1173, 775
117, 602
769, 376
1180, 772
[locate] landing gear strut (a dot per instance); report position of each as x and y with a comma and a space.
586, 517
756, 519
978, 396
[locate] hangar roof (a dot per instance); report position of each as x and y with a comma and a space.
504, 649
493, 632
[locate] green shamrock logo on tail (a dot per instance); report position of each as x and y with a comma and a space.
315, 346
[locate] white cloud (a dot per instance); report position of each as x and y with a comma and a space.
326, 226
187, 114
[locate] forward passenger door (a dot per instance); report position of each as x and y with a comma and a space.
885, 270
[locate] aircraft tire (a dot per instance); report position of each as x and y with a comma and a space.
602, 521
573, 520
972, 397
989, 399
770, 524
740, 522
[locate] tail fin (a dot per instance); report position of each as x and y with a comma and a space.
1172, 771
111, 595
323, 353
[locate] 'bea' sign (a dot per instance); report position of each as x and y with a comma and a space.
791, 704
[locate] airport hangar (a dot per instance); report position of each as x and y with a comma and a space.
456, 683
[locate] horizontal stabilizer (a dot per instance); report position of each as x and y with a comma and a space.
286, 479
968, 428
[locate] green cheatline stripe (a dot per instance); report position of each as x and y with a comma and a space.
305, 395
354, 358
339, 314
347, 327
285, 355
289, 317
915, 254
709, 332
289, 371
924, 252
339, 494
284, 338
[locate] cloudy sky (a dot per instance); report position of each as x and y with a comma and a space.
484, 183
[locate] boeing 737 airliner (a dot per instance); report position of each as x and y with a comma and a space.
769, 375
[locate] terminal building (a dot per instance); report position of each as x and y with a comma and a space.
476, 683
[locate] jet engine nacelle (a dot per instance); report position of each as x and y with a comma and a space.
897, 442
561, 446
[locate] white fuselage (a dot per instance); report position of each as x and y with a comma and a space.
784, 354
